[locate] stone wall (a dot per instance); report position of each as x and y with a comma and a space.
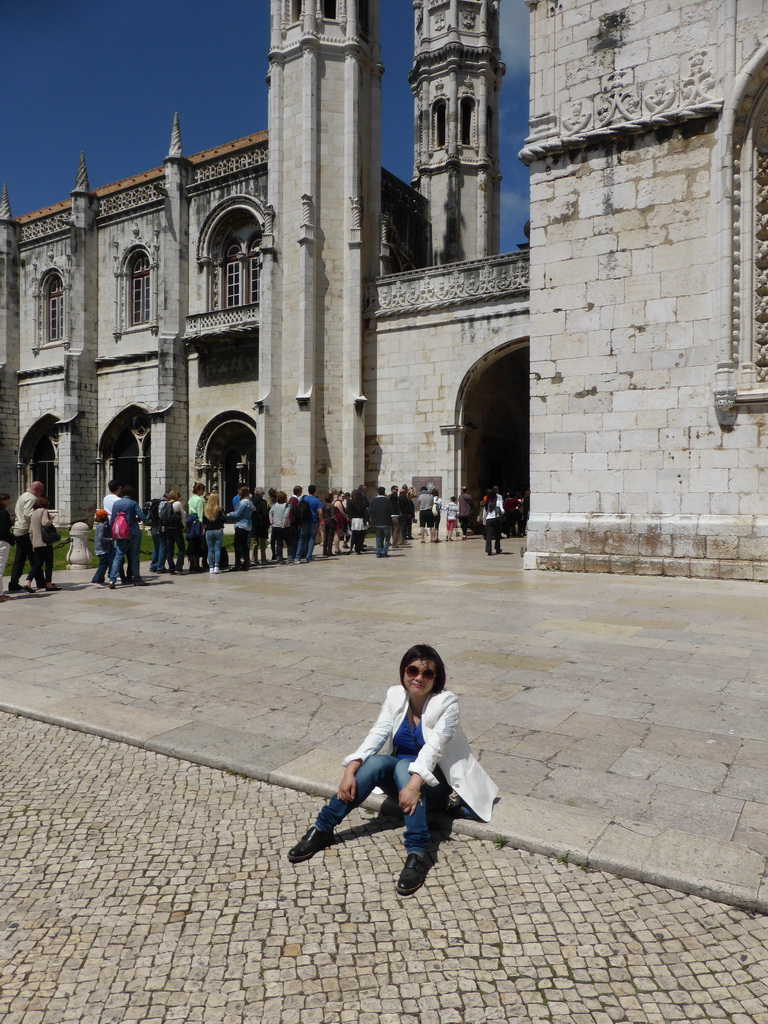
637, 466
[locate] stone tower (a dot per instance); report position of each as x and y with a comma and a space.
320, 239
9, 343
455, 79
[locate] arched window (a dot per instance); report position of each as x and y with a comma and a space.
467, 116
54, 308
44, 467
140, 290
439, 124
240, 262
233, 274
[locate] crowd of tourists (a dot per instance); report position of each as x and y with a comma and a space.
269, 528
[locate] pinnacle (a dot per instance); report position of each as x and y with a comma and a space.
81, 182
5, 206
175, 147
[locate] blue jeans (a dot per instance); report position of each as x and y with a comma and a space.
101, 571
306, 544
390, 774
383, 535
128, 548
158, 551
213, 539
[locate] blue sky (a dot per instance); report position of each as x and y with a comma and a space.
106, 77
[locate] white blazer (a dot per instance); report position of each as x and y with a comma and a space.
444, 744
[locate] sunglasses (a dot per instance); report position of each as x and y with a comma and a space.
426, 674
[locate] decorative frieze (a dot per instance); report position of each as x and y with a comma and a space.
625, 107
44, 226
223, 165
452, 285
131, 198
761, 267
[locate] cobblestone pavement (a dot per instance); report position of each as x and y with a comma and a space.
625, 719
137, 887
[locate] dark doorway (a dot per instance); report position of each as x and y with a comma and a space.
44, 468
127, 467
496, 422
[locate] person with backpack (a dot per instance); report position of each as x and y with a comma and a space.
171, 515
260, 526
194, 525
151, 511
307, 512
126, 533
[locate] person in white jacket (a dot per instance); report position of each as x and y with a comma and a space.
416, 753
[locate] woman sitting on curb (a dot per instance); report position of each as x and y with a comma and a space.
417, 753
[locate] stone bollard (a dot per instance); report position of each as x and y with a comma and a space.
79, 554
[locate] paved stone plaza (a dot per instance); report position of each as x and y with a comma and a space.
138, 887
624, 718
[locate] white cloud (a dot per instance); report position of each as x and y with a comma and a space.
515, 24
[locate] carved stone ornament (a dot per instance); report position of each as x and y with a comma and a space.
618, 100
761, 267
256, 156
625, 108
130, 199
699, 83
468, 20
456, 284
45, 226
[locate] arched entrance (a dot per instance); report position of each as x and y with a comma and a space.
494, 405
226, 455
39, 457
126, 452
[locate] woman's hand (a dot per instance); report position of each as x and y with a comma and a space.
348, 787
410, 795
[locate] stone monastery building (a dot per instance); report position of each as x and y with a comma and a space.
281, 310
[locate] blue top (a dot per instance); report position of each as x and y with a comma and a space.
242, 517
314, 503
407, 742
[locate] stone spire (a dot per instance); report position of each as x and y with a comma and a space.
5, 206
175, 147
81, 182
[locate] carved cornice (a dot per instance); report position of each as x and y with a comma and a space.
127, 359
455, 284
623, 108
38, 371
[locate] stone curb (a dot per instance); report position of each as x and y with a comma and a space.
723, 872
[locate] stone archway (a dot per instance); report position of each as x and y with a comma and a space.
226, 455
125, 451
494, 404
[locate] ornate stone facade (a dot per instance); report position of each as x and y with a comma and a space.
649, 255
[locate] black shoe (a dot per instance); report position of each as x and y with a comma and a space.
14, 588
313, 842
413, 874
111, 584
140, 583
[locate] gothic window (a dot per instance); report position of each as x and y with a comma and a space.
489, 129
329, 10
467, 117
297, 7
439, 114
364, 16
233, 273
241, 267
43, 467
140, 290
54, 308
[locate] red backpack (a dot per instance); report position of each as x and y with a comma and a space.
120, 528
